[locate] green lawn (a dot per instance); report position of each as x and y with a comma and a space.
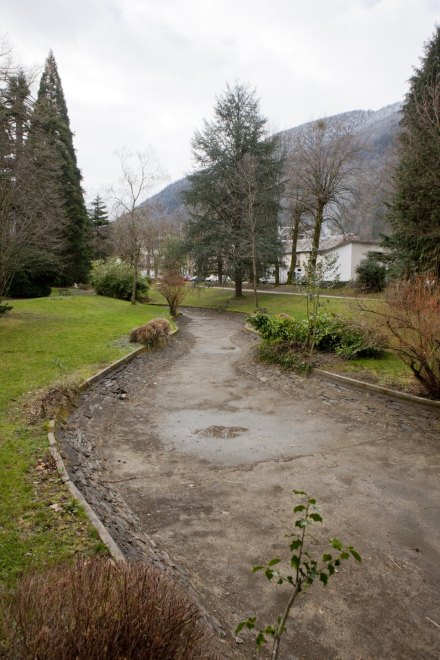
224, 299
41, 341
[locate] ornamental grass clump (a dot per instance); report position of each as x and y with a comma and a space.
153, 333
99, 610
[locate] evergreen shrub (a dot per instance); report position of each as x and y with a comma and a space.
114, 278
371, 274
333, 333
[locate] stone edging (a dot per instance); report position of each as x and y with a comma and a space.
369, 387
104, 534
378, 389
105, 537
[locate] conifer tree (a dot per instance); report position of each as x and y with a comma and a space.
51, 118
99, 228
29, 202
415, 209
234, 194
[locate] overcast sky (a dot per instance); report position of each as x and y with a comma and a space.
146, 72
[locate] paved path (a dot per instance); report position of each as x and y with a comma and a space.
207, 446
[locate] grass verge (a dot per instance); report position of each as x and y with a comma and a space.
43, 341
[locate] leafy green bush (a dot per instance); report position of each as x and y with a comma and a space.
114, 278
333, 333
287, 356
371, 274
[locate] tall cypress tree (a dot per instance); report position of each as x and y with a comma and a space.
51, 118
415, 209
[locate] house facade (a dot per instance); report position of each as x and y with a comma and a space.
344, 251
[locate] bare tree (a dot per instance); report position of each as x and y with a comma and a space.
140, 173
327, 153
298, 200
248, 182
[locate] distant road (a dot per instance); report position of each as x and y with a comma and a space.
291, 293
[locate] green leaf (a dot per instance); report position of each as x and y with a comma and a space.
355, 554
331, 569
301, 523
295, 544
312, 500
336, 544
249, 623
324, 578
260, 639
326, 557
273, 562
257, 568
300, 492
300, 507
269, 574
344, 555
316, 517
269, 630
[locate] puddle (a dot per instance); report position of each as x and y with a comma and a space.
223, 432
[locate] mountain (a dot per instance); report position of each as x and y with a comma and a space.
376, 130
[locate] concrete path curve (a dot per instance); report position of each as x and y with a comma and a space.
206, 448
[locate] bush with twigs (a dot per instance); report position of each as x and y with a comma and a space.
173, 288
96, 610
151, 334
411, 314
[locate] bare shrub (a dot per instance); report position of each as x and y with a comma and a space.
163, 324
96, 610
151, 334
173, 288
412, 315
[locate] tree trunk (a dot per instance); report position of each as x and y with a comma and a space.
295, 233
277, 273
238, 283
220, 270
254, 269
135, 279
316, 236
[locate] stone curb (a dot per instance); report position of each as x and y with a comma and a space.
378, 389
369, 387
115, 365
104, 534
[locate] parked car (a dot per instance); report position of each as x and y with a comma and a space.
211, 278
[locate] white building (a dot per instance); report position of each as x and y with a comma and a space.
346, 250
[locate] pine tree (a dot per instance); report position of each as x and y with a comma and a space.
234, 195
51, 118
415, 209
99, 228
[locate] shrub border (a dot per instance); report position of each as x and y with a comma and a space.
369, 387
104, 534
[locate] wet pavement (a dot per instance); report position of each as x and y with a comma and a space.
206, 448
